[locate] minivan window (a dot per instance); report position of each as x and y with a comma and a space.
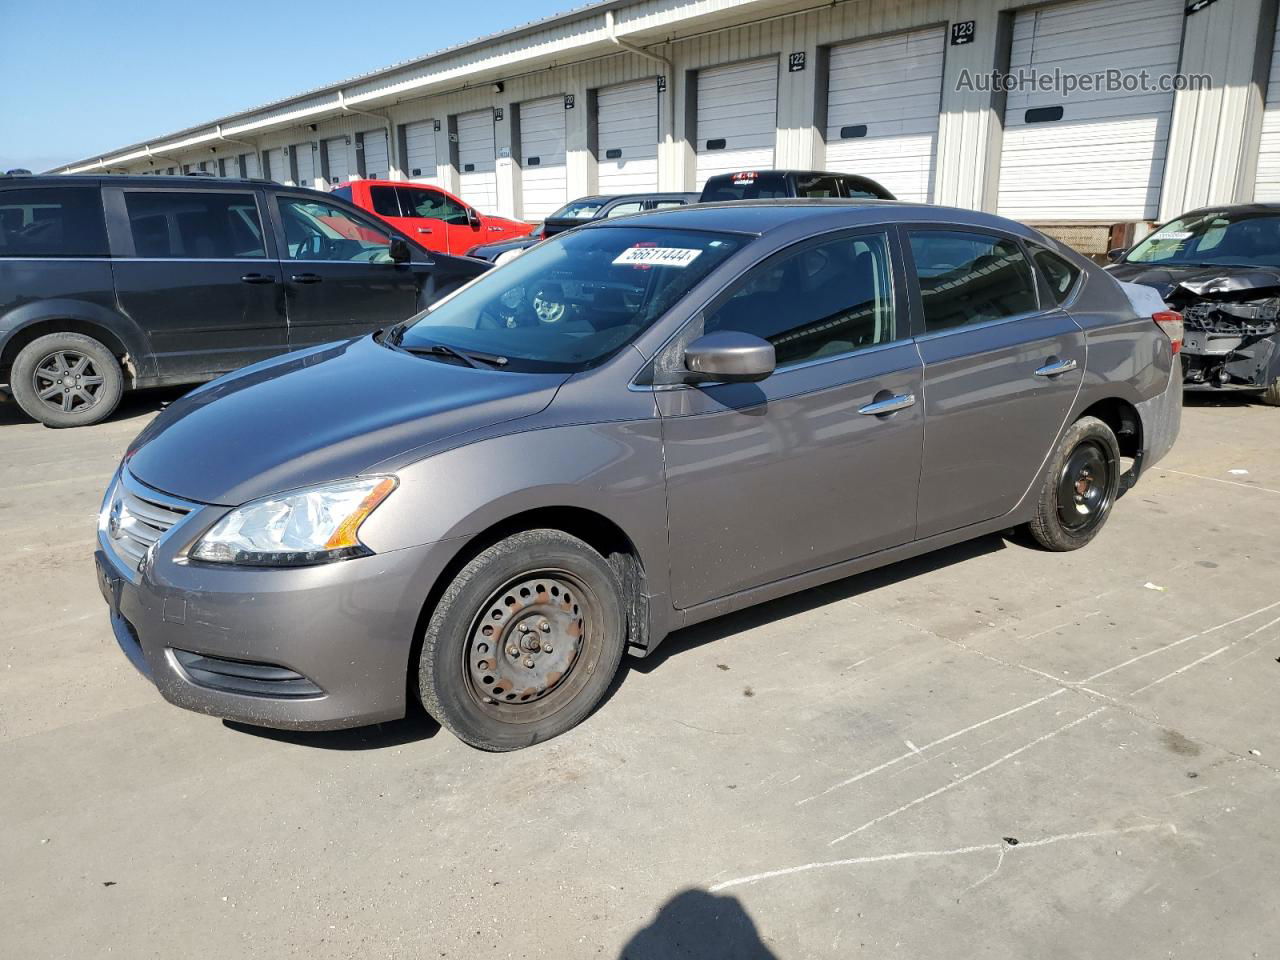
193, 225
821, 301
315, 230
52, 222
571, 302
968, 278
385, 203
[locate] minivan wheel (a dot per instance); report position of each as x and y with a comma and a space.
1080, 487
66, 380
524, 642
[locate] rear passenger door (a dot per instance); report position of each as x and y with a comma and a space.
1002, 368
193, 268
816, 464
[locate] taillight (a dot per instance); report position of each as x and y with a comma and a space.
1170, 321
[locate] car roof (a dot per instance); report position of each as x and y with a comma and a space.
759, 217
1231, 208
178, 180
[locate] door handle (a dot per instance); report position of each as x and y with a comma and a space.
257, 278
1056, 368
424, 229
880, 408
306, 278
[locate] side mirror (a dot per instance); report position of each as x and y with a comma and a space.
1116, 255
473, 219
399, 251
728, 356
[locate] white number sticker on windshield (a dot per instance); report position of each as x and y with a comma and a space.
1174, 235
657, 256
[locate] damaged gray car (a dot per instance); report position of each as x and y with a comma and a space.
1220, 268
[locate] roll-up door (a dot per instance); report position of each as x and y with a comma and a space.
627, 137
543, 177
1267, 188
336, 151
420, 150
476, 180
278, 166
1096, 155
737, 117
883, 97
305, 158
251, 166
376, 161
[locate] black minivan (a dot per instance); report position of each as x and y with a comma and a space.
110, 283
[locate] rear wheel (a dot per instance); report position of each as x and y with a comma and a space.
524, 641
1080, 487
66, 380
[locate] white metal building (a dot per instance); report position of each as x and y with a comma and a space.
627, 95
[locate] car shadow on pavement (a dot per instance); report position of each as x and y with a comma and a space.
692, 637
136, 403
1221, 398
698, 925
414, 727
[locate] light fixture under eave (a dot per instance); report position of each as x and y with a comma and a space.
498, 87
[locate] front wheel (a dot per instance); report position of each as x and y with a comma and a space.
1080, 487
524, 642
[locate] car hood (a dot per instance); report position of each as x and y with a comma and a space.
319, 415
1175, 283
491, 251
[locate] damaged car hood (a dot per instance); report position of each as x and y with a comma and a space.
1198, 281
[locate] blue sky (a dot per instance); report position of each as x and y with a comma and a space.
78, 77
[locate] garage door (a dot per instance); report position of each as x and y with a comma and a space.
376, 163
251, 167
1095, 156
543, 178
339, 165
277, 166
1268, 186
420, 150
627, 137
883, 98
305, 158
737, 117
476, 180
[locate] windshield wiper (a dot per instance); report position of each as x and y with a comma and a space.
469, 357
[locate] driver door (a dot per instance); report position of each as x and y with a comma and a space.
339, 279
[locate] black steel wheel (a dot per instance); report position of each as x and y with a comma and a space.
1080, 487
67, 380
524, 641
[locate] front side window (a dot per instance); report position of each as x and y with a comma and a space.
968, 278
315, 230
385, 203
817, 186
418, 202
1218, 238
860, 188
571, 302
52, 222
580, 209
194, 226
622, 209
821, 301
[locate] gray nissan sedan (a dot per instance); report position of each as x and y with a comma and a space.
636, 426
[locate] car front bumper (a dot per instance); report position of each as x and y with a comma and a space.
309, 648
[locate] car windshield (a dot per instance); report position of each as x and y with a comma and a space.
579, 209
571, 302
1217, 238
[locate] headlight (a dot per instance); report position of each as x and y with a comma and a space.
316, 525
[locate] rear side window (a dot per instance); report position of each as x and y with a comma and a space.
195, 226
52, 222
1061, 273
860, 189
385, 202
817, 187
968, 278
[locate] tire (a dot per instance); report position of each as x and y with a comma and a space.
532, 591
1271, 396
1081, 484
43, 385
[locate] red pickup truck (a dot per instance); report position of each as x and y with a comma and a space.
435, 218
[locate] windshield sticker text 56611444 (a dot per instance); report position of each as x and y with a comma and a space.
657, 256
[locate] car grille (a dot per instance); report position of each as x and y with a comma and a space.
138, 517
